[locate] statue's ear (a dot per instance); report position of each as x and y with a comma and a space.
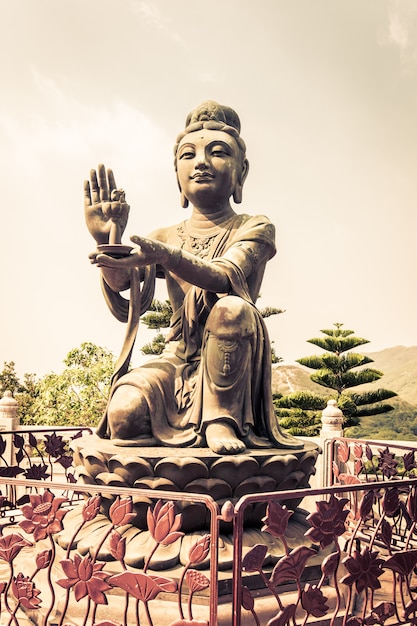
237, 193
184, 199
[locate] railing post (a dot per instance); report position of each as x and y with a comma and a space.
9, 421
332, 426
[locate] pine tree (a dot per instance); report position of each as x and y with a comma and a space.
340, 370
300, 412
156, 346
158, 316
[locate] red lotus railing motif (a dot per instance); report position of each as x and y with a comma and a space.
36, 454
364, 562
85, 576
355, 564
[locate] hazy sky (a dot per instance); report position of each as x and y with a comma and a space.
327, 95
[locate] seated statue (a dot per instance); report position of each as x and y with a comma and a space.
212, 384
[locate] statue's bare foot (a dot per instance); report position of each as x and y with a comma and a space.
222, 439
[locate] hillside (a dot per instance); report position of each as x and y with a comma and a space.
289, 378
399, 366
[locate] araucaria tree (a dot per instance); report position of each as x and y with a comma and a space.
158, 316
339, 369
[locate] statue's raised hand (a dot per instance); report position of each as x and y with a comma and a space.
106, 210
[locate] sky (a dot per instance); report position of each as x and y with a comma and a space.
327, 96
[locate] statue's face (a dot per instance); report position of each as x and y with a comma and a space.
208, 167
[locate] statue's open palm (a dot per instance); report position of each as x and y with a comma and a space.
106, 211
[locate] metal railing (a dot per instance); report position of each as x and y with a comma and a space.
35, 453
38, 545
349, 559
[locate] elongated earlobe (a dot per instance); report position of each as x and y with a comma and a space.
238, 190
184, 201
237, 193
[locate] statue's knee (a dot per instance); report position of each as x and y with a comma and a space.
231, 326
127, 413
231, 317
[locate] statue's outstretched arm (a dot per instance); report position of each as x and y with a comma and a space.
193, 269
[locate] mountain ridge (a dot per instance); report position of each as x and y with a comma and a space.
398, 365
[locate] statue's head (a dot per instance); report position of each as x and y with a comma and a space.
213, 116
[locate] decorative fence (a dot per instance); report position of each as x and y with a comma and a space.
350, 559
354, 572
35, 454
51, 582
353, 461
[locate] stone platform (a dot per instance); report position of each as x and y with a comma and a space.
190, 471
194, 470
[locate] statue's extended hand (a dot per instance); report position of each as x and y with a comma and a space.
106, 211
145, 252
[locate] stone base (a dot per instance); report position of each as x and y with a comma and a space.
194, 470
190, 471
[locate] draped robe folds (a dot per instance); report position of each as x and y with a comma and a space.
176, 383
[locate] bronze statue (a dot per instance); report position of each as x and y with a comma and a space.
212, 384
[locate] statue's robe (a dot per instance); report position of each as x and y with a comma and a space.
179, 388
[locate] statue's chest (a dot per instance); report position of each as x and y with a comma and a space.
200, 246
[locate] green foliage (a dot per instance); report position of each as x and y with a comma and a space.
156, 346
338, 331
77, 396
398, 424
338, 344
300, 412
26, 399
270, 310
304, 400
342, 379
158, 315
9, 380
348, 407
274, 357
375, 409
339, 369
300, 423
24, 392
337, 340
371, 396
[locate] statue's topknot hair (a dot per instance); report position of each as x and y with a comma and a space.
213, 116
212, 111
